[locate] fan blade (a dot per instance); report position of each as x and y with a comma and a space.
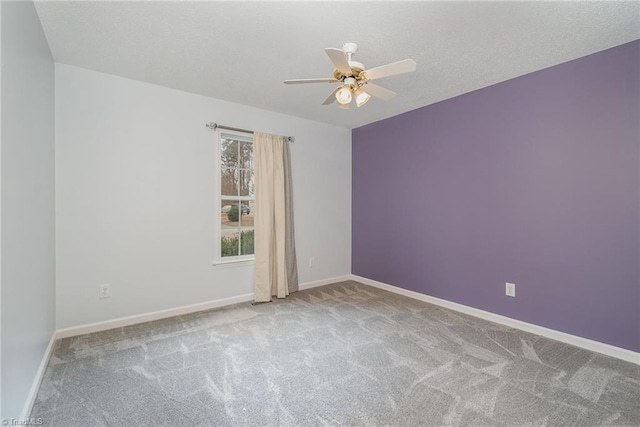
331, 97
298, 81
392, 69
344, 106
378, 91
339, 60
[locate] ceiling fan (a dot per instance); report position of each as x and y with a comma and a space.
355, 79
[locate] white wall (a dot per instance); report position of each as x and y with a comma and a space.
135, 188
27, 193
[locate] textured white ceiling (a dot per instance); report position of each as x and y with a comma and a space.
242, 51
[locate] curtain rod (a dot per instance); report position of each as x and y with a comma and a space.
214, 126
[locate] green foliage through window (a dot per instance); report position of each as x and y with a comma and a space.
230, 245
234, 214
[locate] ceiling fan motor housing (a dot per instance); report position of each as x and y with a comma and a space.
356, 67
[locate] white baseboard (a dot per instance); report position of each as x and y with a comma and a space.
37, 380
606, 349
315, 284
177, 311
151, 316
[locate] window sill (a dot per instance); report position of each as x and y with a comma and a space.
234, 263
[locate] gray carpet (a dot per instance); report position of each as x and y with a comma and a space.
340, 354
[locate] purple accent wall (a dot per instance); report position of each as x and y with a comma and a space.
534, 181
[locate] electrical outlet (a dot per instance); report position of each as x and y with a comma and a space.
510, 289
312, 262
104, 291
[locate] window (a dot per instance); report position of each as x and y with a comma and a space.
236, 197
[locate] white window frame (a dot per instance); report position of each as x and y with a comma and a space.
240, 260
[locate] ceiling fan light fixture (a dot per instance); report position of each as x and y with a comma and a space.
343, 96
362, 97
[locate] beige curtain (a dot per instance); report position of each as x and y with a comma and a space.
276, 268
